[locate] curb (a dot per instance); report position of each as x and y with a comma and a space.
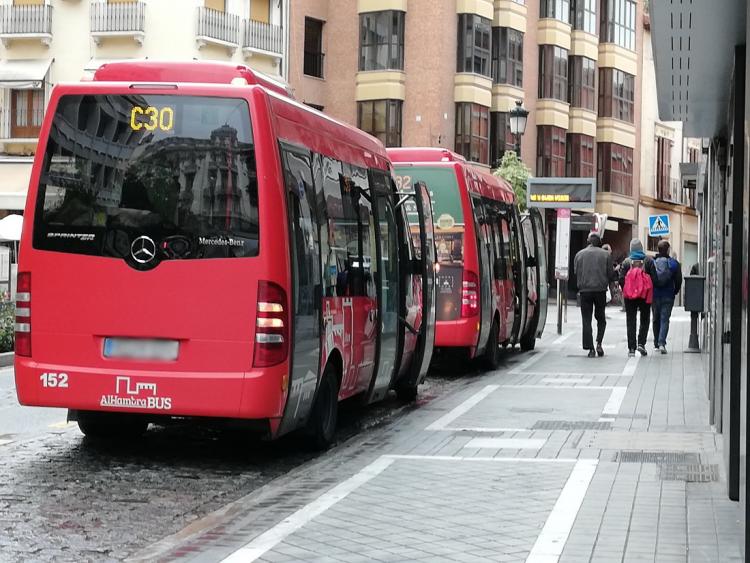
6, 359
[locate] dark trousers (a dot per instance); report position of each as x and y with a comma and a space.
593, 302
632, 308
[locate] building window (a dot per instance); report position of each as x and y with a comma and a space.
507, 56
550, 151
26, 113
474, 44
664, 169
501, 139
618, 23
694, 155
472, 132
583, 15
580, 156
381, 41
381, 119
555, 9
616, 94
313, 65
553, 72
582, 83
614, 168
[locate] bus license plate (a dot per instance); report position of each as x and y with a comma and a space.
141, 349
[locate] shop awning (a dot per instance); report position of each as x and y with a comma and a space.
14, 184
23, 74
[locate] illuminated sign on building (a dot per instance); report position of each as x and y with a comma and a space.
571, 193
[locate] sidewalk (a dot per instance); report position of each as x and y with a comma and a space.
554, 457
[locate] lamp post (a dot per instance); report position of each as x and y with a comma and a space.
518, 116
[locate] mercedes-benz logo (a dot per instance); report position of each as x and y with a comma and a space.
143, 250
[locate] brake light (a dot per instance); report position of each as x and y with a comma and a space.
23, 314
470, 295
271, 326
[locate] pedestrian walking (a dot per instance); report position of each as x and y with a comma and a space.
637, 281
594, 271
667, 284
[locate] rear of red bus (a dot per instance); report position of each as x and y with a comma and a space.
153, 277
457, 282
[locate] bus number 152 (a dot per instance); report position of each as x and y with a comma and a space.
404, 183
52, 379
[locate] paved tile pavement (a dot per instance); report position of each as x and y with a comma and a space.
553, 458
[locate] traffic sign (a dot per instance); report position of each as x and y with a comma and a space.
658, 225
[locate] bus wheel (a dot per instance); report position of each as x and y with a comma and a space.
100, 425
406, 393
491, 357
321, 427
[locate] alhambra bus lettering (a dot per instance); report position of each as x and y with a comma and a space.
135, 395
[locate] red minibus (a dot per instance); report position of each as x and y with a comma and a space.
199, 244
491, 285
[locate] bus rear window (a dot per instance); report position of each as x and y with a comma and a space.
176, 170
447, 210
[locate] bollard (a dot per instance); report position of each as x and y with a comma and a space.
693, 345
694, 286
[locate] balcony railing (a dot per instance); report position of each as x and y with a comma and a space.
264, 37
118, 19
218, 27
18, 22
676, 193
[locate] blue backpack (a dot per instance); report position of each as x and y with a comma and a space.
663, 271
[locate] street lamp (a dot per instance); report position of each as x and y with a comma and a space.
518, 117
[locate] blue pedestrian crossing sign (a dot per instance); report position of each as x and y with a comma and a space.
658, 225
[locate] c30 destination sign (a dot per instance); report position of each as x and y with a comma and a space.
570, 193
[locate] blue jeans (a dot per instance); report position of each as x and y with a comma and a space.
662, 310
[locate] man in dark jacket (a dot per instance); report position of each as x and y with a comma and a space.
594, 272
667, 284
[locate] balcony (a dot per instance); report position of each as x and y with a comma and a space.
674, 191
25, 22
264, 39
122, 19
218, 28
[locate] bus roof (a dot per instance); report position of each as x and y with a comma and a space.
203, 72
485, 183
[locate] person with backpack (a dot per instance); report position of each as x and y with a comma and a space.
667, 284
594, 271
637, 282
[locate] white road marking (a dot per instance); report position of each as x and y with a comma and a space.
567, 380
527, 364
629, 369
446, 419
550, 543
576, 387
271, 538
485, 459
561, 339
573, 373
612, 408
510, 443
4, 442
485, 430
606, 419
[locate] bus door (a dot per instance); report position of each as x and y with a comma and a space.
306, 286
532, 282
540, 239
500, 276
509, 286
388, 282
484, 257
426, 273
518, 256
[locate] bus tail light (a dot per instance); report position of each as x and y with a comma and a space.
470, 295
271, 326
23, 314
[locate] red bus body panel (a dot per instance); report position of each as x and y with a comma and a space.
210, 309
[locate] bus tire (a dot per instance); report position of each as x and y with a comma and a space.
406, 393
491, 356
107, 425
321, 427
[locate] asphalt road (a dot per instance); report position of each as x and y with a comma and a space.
19, 423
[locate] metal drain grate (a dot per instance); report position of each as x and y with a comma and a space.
571, 425
661, 458
689, 472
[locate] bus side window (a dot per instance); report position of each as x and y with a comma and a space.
334, 230
361, 240
506, 247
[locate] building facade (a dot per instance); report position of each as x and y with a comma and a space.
663, 190
426, 73
44, 42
